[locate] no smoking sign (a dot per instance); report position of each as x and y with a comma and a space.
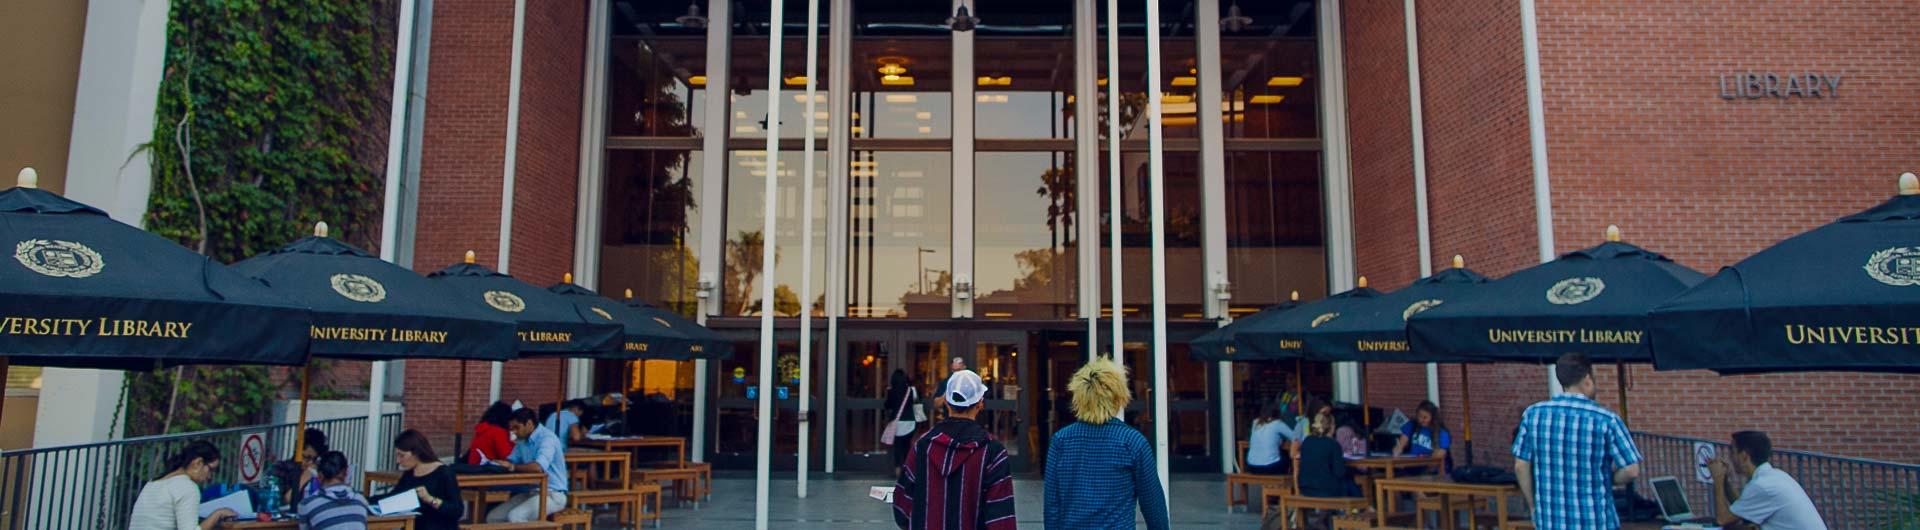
253, 457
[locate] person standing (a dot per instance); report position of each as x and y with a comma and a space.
434, 483
172, 502
901, 400
336, 506
956, 476
1771, 500
1099, 467
955, 366
1570, 452
538, 452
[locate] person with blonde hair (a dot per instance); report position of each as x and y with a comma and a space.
1323, 467
1099, 467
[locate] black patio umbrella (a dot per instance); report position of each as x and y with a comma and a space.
86, 291
367, 309
1845, 296
1220, 344
550, 325
1285, 335
1592, 301
1376, 330
651, 333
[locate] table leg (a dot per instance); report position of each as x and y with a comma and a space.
543, 500
1380, 494
1500, 508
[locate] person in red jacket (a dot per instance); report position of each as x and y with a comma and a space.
490, 438
957, 476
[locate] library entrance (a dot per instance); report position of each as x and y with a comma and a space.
868, 359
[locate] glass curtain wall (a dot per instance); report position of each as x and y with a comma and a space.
1026, 193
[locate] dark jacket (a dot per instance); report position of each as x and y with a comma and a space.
441, 484
1323, 469
956, 477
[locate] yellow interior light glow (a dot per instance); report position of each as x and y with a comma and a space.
1285, 81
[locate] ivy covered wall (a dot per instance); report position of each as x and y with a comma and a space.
272, 116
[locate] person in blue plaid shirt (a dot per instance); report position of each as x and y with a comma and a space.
1571, 452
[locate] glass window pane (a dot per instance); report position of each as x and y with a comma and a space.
748, 93
899, 235
1023, 83
1178, 66
1026, 257
650, 225
746, 189
1268, 87
902, 87
656, 86
1275, 243
1184, 258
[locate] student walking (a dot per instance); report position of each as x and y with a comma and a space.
1570, 452
1099, 468
957, 476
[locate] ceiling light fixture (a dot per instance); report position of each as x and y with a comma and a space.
1235, 21
693, 18
962, 20
892, 69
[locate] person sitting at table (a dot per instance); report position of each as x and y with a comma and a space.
1771, 499
1323, 467
538, 451
287, 473
1348, 435
337, 506
1269, 441
565, 423
490, 438
172, 502
1426, 436
314, 446
435, 484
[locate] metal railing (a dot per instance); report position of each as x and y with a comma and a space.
93, 486
1848, 492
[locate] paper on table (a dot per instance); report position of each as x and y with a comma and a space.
239, 502
407, 502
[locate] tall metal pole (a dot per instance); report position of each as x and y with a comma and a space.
840, 15
1113, 177
806, 246
1086, 162
390, 209
1157, 211
775, 29
713, 237
1537, 138
509, 170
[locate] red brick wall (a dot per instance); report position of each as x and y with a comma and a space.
1638, 136
1386, 240
462, 161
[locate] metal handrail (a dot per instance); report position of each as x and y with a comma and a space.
93, 485
1848, 492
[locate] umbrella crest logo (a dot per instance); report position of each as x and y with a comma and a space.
663, 322
1416, 307
59, 259
602, 312
1897, 266
1324, 318
1573, 291
359, 288
505, 302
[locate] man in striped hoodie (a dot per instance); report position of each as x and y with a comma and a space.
956, 477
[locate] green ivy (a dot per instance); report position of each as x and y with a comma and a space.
272, 116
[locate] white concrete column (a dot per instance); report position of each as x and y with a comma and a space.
963, 83
1537, 138
1417, 129
1338, 189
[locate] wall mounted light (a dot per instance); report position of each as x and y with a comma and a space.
962, 20
693, 18
1235, 21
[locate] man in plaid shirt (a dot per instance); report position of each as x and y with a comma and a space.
1571, 452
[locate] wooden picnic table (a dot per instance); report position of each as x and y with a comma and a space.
1444, 487
612, 465
374, 522
631, 443
470, 481
1390, 465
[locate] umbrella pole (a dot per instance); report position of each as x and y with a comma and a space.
3, 377
1299, 387
300, 434
1366, 415
459, 410
1620, 377
1466, 407
560, 395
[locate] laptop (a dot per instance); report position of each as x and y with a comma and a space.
1673, 502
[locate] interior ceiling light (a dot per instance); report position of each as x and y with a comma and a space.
897, 80
962, 20
1184, 81
798, 80
1267, 99
1285, 81
987, 80
698, 80
693, 18
1235, 21
892, 66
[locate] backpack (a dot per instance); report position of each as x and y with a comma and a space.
1483, 475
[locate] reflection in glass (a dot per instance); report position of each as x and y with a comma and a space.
999, 367
737, 426
1023, 84
650, 224
931, 365
893, 113
655, 86
746, 186
1187, 386
748, 113
1177, 76
1268, 87
1026, 261
899, 233
868, 378
1185, 261
1275, 243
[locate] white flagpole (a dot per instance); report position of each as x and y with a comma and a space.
806, 244
1113, 174
390, 212
1157, 211
776, 17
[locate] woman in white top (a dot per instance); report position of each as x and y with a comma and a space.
901, 398
173, 501
1266, 441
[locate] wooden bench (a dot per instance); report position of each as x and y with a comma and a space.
537, 525
1288, 503
703, 484
633, 502
1355, 522
1240, 484
685, 481
1430, 503
573, 519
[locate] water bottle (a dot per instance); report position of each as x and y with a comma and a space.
272, 504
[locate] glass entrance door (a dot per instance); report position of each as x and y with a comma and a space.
868, 359
996, 356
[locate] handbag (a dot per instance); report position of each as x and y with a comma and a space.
888, 434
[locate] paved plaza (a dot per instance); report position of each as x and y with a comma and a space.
841, 503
